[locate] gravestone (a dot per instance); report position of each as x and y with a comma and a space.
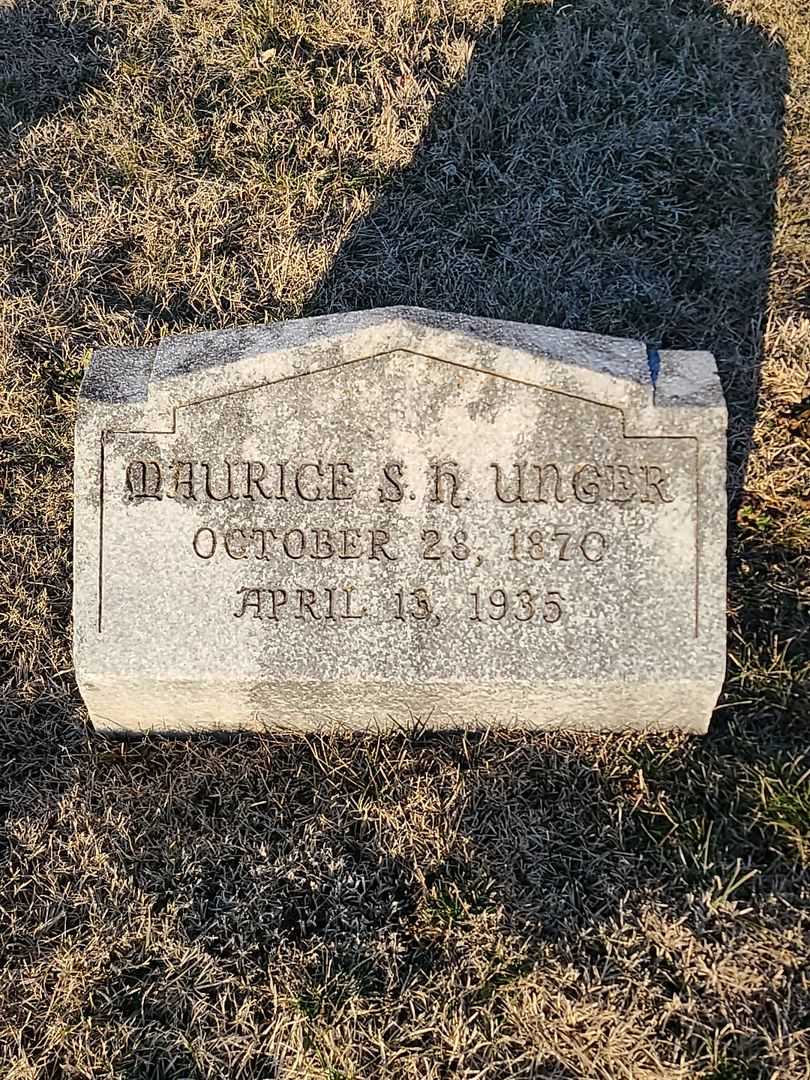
364, 518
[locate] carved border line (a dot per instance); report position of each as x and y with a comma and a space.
373, 356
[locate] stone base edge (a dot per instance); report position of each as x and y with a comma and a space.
118, 709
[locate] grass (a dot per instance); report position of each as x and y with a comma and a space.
420, 905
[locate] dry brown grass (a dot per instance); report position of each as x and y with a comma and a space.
419, 905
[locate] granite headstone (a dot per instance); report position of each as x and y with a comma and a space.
364, 518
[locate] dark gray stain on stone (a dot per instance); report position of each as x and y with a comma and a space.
119, 375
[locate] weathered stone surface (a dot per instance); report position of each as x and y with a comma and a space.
361, 518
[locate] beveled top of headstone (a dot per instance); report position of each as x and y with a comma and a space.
363, 517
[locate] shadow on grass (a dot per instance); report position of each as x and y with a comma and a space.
601, 166
46, 63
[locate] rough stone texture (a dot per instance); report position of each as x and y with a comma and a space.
389, 570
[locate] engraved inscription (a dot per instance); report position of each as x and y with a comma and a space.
272, 603
289, 517
557, 542
518, 483
247, 542
588, 483
142, 480
522, 606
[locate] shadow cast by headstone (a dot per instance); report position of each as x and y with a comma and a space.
600, 166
